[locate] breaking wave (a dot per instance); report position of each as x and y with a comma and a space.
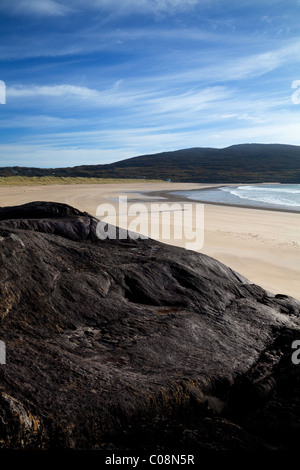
278, 195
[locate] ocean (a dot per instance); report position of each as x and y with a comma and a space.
268, 196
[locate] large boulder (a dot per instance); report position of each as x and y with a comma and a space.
134, 344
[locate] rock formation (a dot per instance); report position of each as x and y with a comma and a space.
134, 344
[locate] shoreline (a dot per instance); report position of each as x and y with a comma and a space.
175, 197
159, 194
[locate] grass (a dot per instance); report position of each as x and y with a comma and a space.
50, 180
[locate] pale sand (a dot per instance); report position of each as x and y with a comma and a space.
262, 245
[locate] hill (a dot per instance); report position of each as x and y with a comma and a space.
246, 163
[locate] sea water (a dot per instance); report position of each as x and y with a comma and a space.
272, 196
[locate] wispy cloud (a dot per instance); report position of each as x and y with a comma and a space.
56, 90
112, 7
71, 94
142, 6
36, 7
57, 150
260, 64
243, 66
95, 39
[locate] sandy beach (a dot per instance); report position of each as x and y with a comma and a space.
262, 245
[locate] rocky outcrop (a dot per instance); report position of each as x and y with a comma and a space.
134, 344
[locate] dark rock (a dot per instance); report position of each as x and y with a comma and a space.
134, 344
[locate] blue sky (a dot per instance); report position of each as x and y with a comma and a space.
96, 81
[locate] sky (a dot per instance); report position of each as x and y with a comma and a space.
98, 81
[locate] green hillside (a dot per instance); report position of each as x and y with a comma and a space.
245, 163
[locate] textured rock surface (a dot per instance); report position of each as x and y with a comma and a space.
136, 344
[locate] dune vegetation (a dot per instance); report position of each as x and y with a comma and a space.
50, 180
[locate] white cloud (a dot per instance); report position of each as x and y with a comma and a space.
38, 122
70, 93
112, 7
233, 69
38, 7
259, 64
141, 6
114, 145
156, 106
149, 99
56, 90
33, 155
191, 101
91, 40
287, 133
